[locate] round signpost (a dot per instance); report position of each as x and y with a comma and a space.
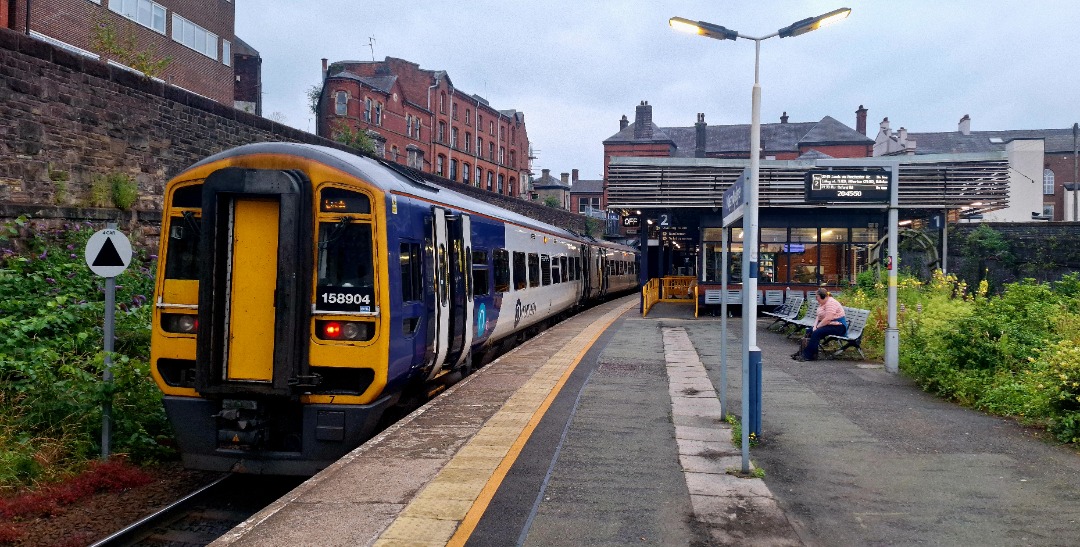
108, 253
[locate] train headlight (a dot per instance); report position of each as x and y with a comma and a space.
353, 331
182, 323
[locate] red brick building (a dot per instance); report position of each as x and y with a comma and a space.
418, 118
779, 141
197, 35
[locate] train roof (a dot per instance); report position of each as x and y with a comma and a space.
391, 177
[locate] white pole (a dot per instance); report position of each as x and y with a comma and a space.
892, 334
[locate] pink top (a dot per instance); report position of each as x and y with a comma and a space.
828, 313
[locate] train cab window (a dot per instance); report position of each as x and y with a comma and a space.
182, 257
412, 271
481, 285
346, 257
500, 259
563, 269
545, 269
520, 279
534, 270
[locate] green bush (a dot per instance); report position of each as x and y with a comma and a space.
51, 358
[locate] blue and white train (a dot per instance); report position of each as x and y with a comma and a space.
303, 291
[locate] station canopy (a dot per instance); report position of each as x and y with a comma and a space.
971, 184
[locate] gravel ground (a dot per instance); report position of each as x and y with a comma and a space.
96, 517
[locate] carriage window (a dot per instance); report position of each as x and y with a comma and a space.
556, 273
545, 270
577, 268
182, 256
534, 270
412, 267
336, 200
520, 281
480, 273
565, 270
501, 261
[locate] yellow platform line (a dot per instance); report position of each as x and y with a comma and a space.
448, 509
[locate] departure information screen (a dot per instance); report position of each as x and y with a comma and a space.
847, 186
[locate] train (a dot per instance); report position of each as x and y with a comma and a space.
304, 292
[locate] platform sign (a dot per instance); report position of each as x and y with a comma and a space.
735, 200
108, 253
631, 221
847, 186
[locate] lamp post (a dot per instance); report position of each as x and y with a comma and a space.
751, 352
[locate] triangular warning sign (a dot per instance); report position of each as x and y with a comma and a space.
108, 256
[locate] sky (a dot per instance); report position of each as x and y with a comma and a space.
574, 68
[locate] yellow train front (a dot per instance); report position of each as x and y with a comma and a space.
302, 291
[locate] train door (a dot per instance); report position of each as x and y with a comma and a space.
586, 272
453, 287
250, 312
604, 273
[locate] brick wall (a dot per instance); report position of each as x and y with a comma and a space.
65, 119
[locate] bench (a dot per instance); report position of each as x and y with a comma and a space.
789, 310
856, 318
806, 321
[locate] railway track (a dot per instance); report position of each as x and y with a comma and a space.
205, 514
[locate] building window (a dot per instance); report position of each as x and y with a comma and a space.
442, 102
367, 109
394, 153
453, 137
491, 128
408, 125
513, 162
378, 114
1048, 182
1048, 211
150, 15
440, 160
453, 110
479, 177
465, 173
418, 125
513, 135
501, 183
468, 116
416, 159
193, 36
510, 189
226, 52
491, 151
341, 103
502, 155
468, 142
489, 179
453, 169
479, 146
441, 137
479, 122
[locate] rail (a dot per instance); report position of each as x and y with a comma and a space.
650, 294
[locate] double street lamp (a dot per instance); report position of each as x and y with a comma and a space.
751, 351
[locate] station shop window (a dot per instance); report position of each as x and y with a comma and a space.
810, 256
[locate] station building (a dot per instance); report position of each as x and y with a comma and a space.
667, 186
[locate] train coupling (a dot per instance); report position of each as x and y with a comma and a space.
240, 424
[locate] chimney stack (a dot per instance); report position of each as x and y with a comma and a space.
699, 136
324, 68
784, 117
545, 173
565, 177
860, 120
643, 121
965, 125
884, 125
623, 122
574, 175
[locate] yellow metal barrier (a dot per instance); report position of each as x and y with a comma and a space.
650, 294
695, 301
677, 288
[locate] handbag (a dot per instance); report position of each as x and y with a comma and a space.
843, 321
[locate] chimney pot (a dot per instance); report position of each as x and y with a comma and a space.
623, 122
784, 118
324, 68
965, 125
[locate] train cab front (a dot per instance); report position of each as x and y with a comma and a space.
267, 338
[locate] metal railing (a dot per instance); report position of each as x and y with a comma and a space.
650, 294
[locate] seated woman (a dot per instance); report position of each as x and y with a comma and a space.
830, 320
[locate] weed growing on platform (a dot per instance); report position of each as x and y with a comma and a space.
736, 432
51, 358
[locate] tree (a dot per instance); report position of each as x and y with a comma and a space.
313, 94
354, 138
553, 202
105, 39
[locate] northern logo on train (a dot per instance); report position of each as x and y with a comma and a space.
521, 311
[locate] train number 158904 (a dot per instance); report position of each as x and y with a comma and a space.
345, 298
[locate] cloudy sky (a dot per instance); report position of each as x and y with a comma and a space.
575, 67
